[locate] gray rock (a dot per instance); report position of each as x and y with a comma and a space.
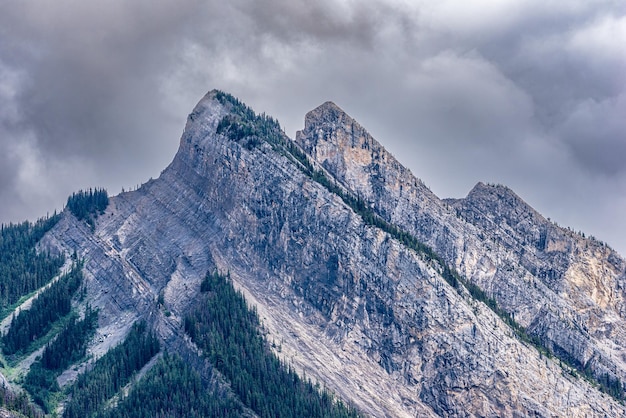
566, 289
345, 302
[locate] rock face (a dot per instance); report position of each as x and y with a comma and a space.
351, 306
567, 290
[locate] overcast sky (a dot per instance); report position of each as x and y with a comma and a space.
530, 94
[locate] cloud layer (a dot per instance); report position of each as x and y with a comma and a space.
529, 94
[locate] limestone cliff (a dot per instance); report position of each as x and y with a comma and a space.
567, 290
353, 307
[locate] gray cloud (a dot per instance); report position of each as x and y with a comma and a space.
527, 94
596, 133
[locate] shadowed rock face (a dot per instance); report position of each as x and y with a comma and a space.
346, 302
567, 290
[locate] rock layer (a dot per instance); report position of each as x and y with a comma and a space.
566, 289
344, 301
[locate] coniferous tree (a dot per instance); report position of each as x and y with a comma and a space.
17, 404
87, 205
67, 348
228, 331
52, 304
111, 372
22, 268
173, 389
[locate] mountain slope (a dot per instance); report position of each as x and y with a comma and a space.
343, 300
566, 290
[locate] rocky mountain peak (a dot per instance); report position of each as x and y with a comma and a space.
352, 283
206, 105
497, 199
326, 115
329, 123
204, 118
494, 191
349, 153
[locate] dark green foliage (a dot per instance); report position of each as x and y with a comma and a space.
244, 122
236, 105
111, 372
40, 383
71, 343
370, 217
18, 403
172, 389
52, 304
69, 347
87, 205
612, 386
244, 126
235, 127
228, 331
22, 269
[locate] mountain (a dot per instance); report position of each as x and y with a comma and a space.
397, 302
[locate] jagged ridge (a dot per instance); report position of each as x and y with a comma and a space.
352, 306
331, 138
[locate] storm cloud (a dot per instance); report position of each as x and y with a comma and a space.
529, 94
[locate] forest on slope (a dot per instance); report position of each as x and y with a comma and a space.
60, 323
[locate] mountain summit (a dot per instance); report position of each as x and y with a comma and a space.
398, 302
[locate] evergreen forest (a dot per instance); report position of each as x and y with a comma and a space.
69, 347
17, 404
111, 372
87, 205
51, 304
173, 389
23, 269
222, 325
229, 333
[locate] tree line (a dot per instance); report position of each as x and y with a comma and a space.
111, 372
23, 269
66, 349
86, 205
52, 304
172, 389
229, 333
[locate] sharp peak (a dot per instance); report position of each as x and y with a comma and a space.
501, 193
211, 95
220, 103
222, 97
328, 106
225, 99
214, 93
327, 113
490, 188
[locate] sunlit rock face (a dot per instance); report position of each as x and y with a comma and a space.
344, 301
564, 288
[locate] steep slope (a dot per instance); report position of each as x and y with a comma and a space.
346, 303
566, 290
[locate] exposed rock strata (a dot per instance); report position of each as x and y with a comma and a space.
564, 288
344, 301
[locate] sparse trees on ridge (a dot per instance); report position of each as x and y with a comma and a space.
87, 205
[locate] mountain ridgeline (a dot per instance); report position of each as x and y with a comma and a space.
346, 288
